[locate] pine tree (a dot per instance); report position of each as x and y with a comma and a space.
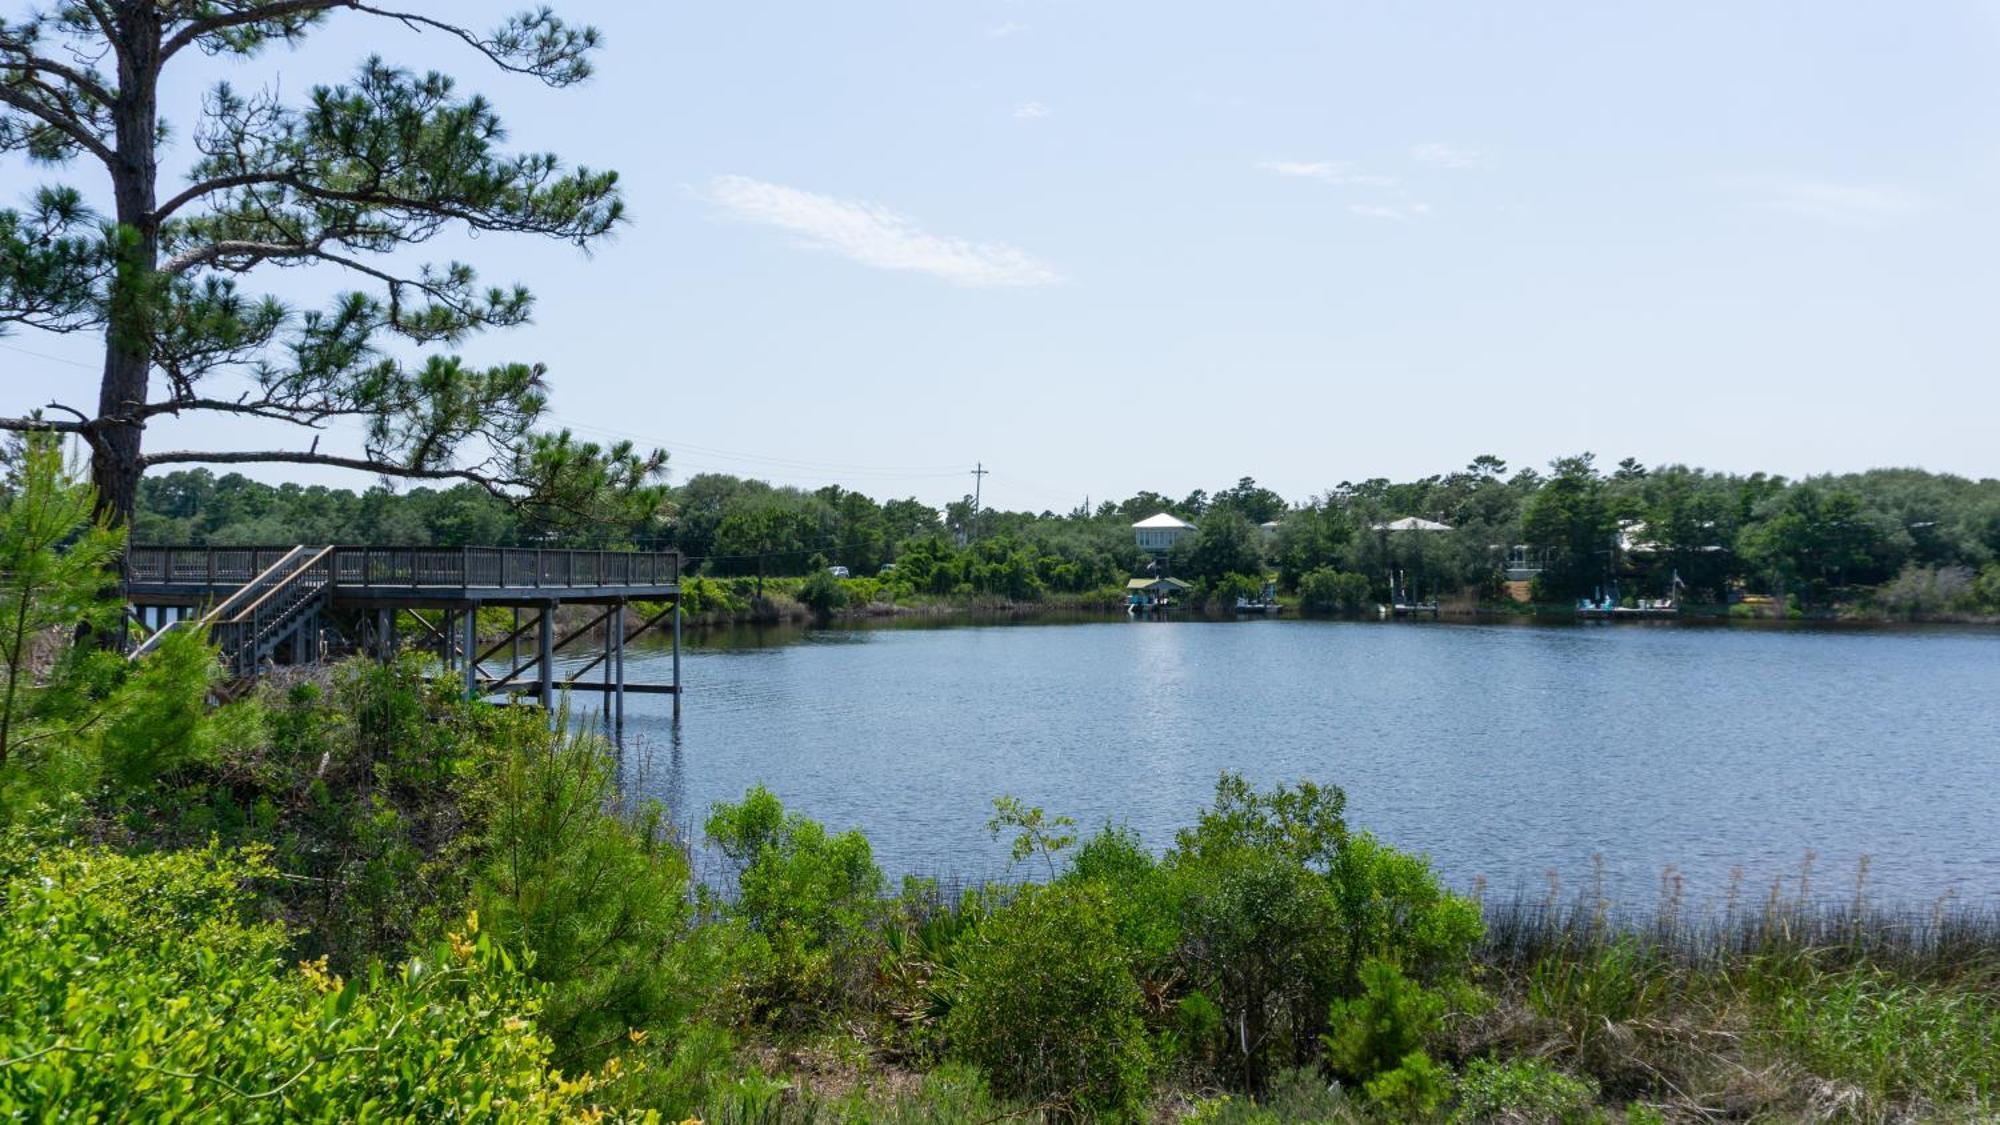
346, 181
53, 553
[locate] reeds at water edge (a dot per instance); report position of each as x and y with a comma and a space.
1945, 938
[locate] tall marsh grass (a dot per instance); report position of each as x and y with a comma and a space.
1796, 1004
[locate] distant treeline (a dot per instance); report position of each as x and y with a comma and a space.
1908, 540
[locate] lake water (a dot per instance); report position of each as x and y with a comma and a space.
1505, 751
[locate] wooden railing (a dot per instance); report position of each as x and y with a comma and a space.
408, 567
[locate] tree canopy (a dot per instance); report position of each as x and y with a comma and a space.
349, 181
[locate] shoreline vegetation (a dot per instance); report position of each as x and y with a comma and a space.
350, 893
354, 894
1893, 545
712, 604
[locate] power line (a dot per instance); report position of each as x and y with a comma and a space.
794, 466
46, 356
909, 471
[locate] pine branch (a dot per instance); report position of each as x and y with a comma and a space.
273, 409
211, 186
15, 55
499, 485
36, 424
60, 120
289, 15
536, 43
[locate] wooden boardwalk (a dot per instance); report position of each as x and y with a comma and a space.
265, 606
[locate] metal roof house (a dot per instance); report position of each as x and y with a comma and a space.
1145, 594
1158, 533
1412, 523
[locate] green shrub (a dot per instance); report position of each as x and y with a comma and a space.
1986, 589
138, 988
1223, 591
158, 720
1148, 898
1393, 907
1281, 906
598, 899
808, 895
1303, 825
1258, 933
1199, 1028
1046, 1006
54, 555
1295, 1094
1374, 1032
822, 592
1034, 831
1325, 590
366, 791
1524, 1092
1413, 1091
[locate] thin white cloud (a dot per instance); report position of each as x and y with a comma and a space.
1438, 154
1003, 30
1030, 111
877, 236
1327, 171
1400, 212
1391, 202
1827, 201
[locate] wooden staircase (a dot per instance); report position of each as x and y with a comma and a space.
282, 604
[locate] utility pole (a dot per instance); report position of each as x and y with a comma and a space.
979, 472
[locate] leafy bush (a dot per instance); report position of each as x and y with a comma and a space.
822, 592
1523, 1092
1034, 831
808, 895
1046, 1006
1147, 904
53, 557
1295, 1094
364, 789
1225, 590
598, 899
1414, 1090
138, 988
158, 719
1257, 935
1393, 907
1281, 906
1374, 1032
1305, 825
73, 716
1326, 590
1917, 590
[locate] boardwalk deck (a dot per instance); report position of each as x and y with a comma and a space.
291, 604
363, 576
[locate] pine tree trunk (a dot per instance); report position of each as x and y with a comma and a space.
114, 463
128, 338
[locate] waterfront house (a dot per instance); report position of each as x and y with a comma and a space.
1149, 593
1157, 534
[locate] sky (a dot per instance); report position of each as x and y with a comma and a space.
1100, 246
